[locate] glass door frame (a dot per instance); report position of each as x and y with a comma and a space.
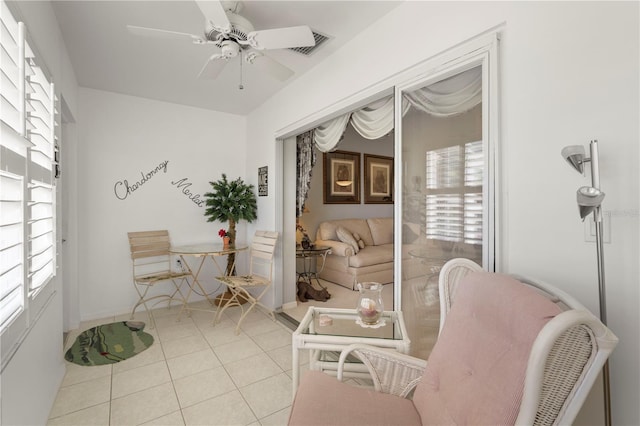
482, 51
479, 50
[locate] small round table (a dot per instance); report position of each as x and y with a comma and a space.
307, 255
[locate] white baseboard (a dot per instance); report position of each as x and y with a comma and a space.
289, 305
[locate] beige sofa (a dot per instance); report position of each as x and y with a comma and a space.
372, 262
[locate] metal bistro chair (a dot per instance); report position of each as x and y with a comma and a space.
260, 275
151, 265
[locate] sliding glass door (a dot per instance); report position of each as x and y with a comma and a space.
446, 203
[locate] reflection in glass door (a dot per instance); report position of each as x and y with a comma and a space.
443, 184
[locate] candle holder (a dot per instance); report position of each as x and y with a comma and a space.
370, 305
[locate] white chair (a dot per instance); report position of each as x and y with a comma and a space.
260, 275
151, 265
512, 350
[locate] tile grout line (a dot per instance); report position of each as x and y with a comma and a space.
166, 361
200, 332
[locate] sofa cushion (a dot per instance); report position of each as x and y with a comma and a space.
346, 237
372, 255
381, 230
327, 230
320, 400
475, 374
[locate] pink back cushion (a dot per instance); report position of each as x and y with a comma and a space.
475, 374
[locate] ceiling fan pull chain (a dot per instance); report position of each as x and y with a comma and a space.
240, 86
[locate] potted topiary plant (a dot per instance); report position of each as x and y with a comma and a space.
230, 201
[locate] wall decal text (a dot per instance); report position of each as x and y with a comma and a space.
122, 189
183, 184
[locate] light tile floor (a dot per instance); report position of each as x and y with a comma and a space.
193, 374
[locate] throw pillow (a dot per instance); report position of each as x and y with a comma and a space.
346, 237
356, 236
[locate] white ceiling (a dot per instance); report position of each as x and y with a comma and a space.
106, 56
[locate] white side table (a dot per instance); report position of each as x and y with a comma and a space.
343, 331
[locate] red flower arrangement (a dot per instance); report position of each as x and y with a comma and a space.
223, 233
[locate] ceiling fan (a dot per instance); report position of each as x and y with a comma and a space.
234, 35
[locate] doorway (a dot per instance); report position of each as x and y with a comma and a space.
67, 218
320, 209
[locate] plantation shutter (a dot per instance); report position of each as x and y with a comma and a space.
11, 81
11, 247
40, 112
454, 177
41, 238
444, 205
473, 178
40, 130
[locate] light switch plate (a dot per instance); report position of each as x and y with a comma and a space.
590, 228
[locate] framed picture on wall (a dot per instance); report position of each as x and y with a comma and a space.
341, 177
263, 181
378, 179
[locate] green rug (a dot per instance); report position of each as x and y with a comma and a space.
109, 343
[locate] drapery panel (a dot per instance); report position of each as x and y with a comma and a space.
306, 160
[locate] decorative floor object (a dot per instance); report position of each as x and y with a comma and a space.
109, 343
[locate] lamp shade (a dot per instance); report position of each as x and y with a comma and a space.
574, 154
589, 198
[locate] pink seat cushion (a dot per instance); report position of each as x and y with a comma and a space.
322, 400
475, 374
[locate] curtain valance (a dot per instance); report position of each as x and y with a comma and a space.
451, 96
445, 98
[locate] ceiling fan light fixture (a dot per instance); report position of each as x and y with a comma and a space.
230, 49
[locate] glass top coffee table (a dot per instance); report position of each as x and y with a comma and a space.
327, 331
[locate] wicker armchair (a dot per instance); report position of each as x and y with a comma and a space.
542, 352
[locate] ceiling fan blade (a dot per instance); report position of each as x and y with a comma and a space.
281, 38
269, 65
214, 12
155, 33
213, 67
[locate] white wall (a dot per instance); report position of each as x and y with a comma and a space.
31, 378
122, 137
569, 73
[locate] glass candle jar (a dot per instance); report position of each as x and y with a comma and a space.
370, 304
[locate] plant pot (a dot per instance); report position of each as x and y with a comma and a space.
225, 242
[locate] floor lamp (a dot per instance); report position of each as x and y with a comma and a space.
589, 200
